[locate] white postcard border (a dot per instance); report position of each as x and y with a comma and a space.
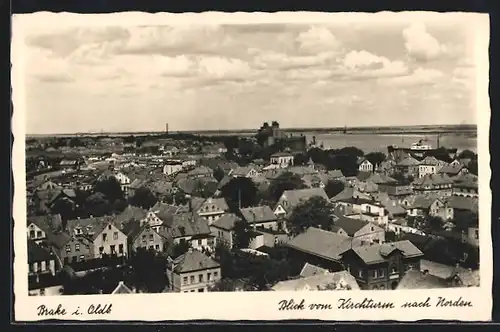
251, 305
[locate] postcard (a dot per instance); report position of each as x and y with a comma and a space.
251, 166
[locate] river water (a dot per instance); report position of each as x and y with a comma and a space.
378, 143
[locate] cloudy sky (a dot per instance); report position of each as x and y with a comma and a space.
121, 78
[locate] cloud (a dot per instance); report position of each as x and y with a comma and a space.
54, 78
318, 40
277, 60
420, 76
420, 44
363, 64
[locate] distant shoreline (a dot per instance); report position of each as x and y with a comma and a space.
388, 130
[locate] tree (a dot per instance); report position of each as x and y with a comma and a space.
224, 285
300, 159
285, 181
433, 223
152, 279
334, 187
473, 167
242, 234
110, 188
376, 158
179, 249
219, 174
231, 143
238, 190
97, 205
143, 197
467, 154
315, 212
351, 151
464, 219
205, 189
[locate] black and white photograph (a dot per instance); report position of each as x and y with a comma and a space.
259, 156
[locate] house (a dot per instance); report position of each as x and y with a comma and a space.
244, 172
319, 247
291, 198
396, 191
433, 184
262, 217
335, 174
162, 188
315, 180
453, 170
461, 203
45, 285
418, 206
143, 236
211, 209
172, 167
364, 165
428, 166
191, 228
39, 226
381, 266
223, 227
40, 260
465, 184
394, 209
442, 209
124, 181
200, 172
342, 280
105, 236
310, 270
122, 289
283, 159
70, 164
408, 166
47, 185
170, 150
302, 170
362, 232
415, 279
473, 235
365, 209
456, 275
192, 272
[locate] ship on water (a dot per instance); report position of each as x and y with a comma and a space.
421, 147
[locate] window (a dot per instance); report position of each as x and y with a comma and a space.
192, 290
32, 234
104, 237
185, 280
42, 291
39, 234
101, 249
109, 226
144, 238
209, 275
112, 249
151, 238
150, 247
115, 236
82, 257
360, 273
199, 242
216, 274
374, 273
381, 273
66, 260
372, 229
120, 248
77, 246
191, 279
476, 234
68, 248
200, 278
201, 290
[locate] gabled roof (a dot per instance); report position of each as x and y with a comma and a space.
297, 196
343, 280
321, 243
282, 154
301, 170
220, 203
122, 289
408, 161
377, 253
37, 254
380, 178
132, 213
47, 223
347, 193
430, 160
451, 170
310, 270
414, 279
447, 272
242, 170
432, 179
200, 170
463, 203
350, 225
226, 222
187, 224
258, 214
334, 174
193, 260
91, 227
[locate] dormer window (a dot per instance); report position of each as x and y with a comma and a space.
78, 231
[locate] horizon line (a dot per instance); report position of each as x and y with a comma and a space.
249, 129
